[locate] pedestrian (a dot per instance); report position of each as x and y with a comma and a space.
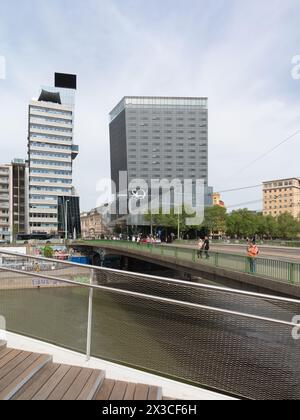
200, 248
253, 253
206, 247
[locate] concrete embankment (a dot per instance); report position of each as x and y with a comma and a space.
10, 281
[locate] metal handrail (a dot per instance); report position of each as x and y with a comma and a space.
292, 267
222, 323
152, 297
151, 278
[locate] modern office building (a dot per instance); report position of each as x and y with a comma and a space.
160, 138
282, 196
51, 152
5, 202
69, 216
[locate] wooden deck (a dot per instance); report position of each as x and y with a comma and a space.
32, 376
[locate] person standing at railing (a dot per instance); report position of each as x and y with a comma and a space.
253, 253
206, 247
200, 248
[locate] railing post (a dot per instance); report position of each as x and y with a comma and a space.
216, 259
247, 265
90, 319
194, 255
291, 273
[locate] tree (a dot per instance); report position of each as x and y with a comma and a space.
267, 226
169, 220
215, 219
242, 223
288, 227
48, 252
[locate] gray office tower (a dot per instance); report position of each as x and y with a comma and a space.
160, 138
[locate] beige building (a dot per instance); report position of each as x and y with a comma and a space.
282, 196
93, 225
216, 198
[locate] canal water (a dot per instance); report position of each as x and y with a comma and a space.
239, 356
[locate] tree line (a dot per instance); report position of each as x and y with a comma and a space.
241, 223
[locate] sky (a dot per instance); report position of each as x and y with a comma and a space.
238, 53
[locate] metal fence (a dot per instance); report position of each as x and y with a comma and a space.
280, 270
227, 340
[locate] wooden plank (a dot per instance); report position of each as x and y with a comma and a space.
7, 357
73, 393
141, 392
155, 393
52, 383
118, 391
28, 391
92, 385
130, 391
105, 390
4, 352
23, 373
12, 364
65, 384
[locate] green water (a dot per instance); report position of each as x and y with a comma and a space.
241, 357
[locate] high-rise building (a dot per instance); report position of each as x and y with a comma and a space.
282, 196
51, 152
5, 202
160, 138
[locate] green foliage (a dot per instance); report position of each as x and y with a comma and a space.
48, 252
215, 219
241, 223
288, 227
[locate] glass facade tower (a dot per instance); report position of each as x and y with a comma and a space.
160, 138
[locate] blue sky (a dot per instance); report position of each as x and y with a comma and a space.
238, 53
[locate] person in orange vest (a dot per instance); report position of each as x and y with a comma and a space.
253, 253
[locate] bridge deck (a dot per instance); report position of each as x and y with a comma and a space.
31, 376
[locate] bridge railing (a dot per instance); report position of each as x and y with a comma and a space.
231, 341
276, 269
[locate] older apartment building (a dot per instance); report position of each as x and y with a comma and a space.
93, 225
282, 196
5, 202
13, 202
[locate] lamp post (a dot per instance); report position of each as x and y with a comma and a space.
178, 226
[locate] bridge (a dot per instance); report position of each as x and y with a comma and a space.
277, 276
223, 340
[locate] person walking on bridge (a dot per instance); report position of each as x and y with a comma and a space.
253, 253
